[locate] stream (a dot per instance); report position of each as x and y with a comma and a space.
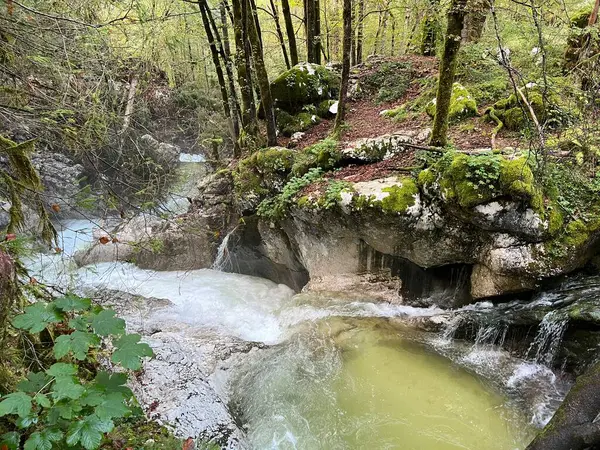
326, 371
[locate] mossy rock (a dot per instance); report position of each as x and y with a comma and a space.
471, 180
288, 124
324, 154
401, 197
324, 109
304, 84
263, 172
582, 17
462, 104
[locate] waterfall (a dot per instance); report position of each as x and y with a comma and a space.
451, 328
546, 344
494, 334
223, 259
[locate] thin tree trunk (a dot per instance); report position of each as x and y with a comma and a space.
346, 50
317, 43
361, 31
393, 37
594, 15
378, 33
203, 6
289, 29
262, 78
224, 29
242, 62
130, 103
233, 100
256, 21
383, 30
309, 29
456, 18
280, 34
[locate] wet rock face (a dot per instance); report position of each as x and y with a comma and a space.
178, 387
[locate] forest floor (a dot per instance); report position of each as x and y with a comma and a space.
364, 119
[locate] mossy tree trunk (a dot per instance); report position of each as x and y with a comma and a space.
475, 20
346, 50
243, 66
289, 29
360, 31
430, 29
574, 426
280, 34
456, 18
262, 78
312, 25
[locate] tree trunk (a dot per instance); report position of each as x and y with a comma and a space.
312, 26
456, 18
574, 426
346, 50
280, 34
242, 62
130, 103
360, 24
317, 17
204, 11
224, 29
254, 11
289, 29
233, 100
262, 77
392, 51
594, 15
475, 20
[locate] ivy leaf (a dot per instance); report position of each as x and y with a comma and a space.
62, 370
43, 440
129, 351
37, 317
73, 303
35, 382
113, 406
18, 403
105, 323
10, 440
88, 432
77, 342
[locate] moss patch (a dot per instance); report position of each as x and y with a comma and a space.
401, 197
462, 104
324, 154
263, 171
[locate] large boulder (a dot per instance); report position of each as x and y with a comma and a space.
304, 84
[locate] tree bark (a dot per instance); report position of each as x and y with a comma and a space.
262, 77
289, 29
280, 34
574, 426
346, 50
242, 62
312, 25
456, 18
475, 20
130, 103
317, 43
360, 25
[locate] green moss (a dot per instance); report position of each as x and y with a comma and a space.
401, 197
582, 17
555, 220
462, 104
426, 177
289, 124
304, 84
517, 180
576, 233
258, 173
323, 108
324, 154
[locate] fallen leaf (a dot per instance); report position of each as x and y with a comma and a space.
33, 281
188, 444
55, 207
58, 249
11, 237
115, 240
104, 240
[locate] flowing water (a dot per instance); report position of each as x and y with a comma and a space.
339, 373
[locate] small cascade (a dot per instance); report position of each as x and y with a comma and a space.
494, 334
546, 345
452, 327
223, 259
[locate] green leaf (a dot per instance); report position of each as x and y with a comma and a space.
105, 323
18, 403
67, 387
66, 409
26, 422
113, 406
35, 382
73, 303
42, 400
113, 382
129, 351
37, 317
77, 342
11, 440
43, 440
62, 370
88, 432
79, 323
